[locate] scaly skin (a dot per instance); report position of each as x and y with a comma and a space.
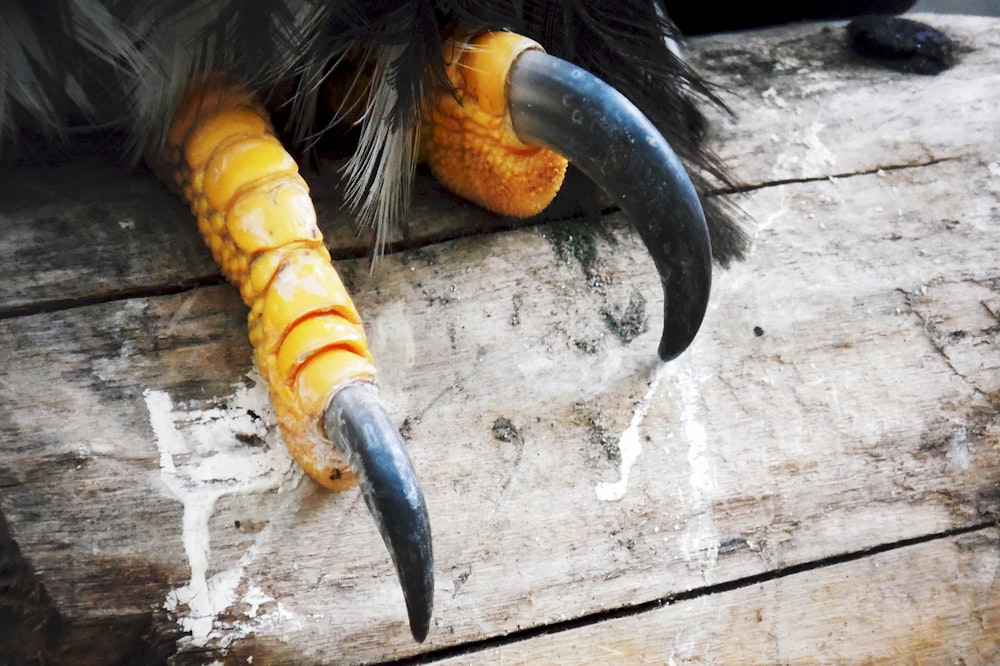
467, 138
256, 216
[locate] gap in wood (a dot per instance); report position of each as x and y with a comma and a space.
342, 254
492, 643
407, 245
59, 304
753, 187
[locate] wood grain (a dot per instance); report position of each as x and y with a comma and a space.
931, 603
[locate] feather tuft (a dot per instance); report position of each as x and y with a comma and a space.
66, 64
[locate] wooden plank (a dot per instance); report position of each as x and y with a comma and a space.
805, 107
138, 237
796, 92
864, 413
79, 226
932, 603
761, 453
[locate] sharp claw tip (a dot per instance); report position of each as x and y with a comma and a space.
419, 629
360, 424
419, 595
671, 348
667, 356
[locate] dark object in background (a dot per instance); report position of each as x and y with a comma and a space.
901, 44
695, 18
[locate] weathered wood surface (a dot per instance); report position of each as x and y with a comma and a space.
842, 397
931, 603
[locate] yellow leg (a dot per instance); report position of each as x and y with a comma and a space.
255, 213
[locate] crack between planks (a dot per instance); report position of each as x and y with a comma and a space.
51, 305
405, 245
608, 209
479, 646
753, 187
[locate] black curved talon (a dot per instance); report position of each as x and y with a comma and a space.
566, 109
358, 422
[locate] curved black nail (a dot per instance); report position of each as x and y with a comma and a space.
566, 109
358, 422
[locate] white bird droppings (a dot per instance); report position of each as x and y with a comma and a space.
700, 540
204, 455
629, 444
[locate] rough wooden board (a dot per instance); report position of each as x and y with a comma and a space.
858, 418
805, 107
825, 435
78, 228
932, 603
79, 471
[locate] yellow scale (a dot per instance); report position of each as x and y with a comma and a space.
256, 216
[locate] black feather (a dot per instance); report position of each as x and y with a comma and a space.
66, 63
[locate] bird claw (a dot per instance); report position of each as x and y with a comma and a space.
358, 422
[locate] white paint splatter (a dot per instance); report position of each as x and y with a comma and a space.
805, 154
700, 540
204, 455
629, 444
